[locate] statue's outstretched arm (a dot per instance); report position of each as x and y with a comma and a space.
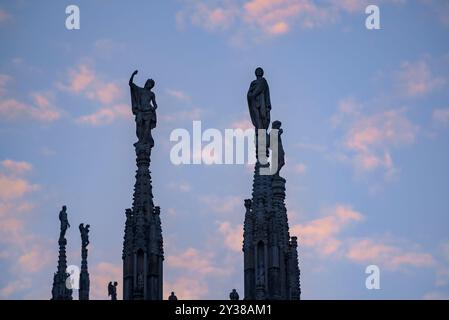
131, 80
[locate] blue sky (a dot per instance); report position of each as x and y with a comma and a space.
365, 116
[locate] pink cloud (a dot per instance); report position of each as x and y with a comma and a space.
391, 256
12, 188
193, 260
35, 258
105, 93
322, 234
80, 78
369, 139
42, 110
106, 115
16, 167
233, 236
416, 79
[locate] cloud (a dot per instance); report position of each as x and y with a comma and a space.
193, 260
35, 258
300, 168
87, 83
233, 236
322, 234
13, 188
179, 95
105, 93
441, 116
81, 77
15, 286
16, 167
106, 115
41, 110
255, 19
392, 257
223, 204
416, 79
369, 139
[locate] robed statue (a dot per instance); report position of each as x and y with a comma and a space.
64, 222
259, 103
112, 290
143, 102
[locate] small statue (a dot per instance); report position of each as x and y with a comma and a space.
234, 295
64, 222
278, 153
84, 230
112, 290
144, 106
172, 296
259, 103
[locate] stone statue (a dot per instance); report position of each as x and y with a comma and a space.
259, 103
64, 222
278, 153
172, 296
234, 295
112, 290
144, 106
84, 230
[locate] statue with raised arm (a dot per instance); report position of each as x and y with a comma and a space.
259, 103
84, 230
143, 102
64, 222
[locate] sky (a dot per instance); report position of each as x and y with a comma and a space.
365, 115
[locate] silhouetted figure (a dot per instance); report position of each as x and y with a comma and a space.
64, 222
172, 296
84, 230
112, 290
278, 153
234, 295
259, 102
144, 106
